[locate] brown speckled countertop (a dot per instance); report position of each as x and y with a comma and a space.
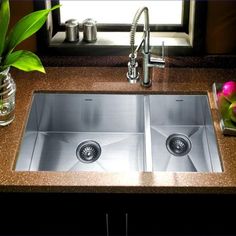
113, 80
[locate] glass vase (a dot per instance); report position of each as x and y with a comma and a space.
7, 98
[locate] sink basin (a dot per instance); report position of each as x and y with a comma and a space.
182, 134
60, 126
115, 133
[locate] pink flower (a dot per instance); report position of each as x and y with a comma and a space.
229, 88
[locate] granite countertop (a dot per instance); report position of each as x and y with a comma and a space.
113, 80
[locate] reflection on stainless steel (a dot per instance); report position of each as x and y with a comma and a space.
189, 118
58, 123
118, 133
72, 30
90, 30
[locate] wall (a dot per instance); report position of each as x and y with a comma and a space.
20, 8
220, 35
221, 27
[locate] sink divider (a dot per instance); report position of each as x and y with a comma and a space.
147, 136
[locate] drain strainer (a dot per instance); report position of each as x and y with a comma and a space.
178, 144
88, 151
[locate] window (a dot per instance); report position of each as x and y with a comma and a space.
172, 21
171, 15
120, 13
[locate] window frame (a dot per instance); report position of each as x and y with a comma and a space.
196, 46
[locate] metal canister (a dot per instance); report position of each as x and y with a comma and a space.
72, 30
89, 30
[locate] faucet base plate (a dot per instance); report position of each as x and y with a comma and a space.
146, 85
132, 80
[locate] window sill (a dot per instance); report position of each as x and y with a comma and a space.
117, 43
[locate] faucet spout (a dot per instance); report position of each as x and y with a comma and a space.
146, 30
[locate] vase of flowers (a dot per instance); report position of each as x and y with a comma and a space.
20, 59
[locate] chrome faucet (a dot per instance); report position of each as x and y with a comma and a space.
148, 59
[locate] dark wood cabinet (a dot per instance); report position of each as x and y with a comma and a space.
116, 214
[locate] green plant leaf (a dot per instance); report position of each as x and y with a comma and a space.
24, 60
26, 27
4, 22
1, 104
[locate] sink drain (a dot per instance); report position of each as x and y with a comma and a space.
178, 144
88, 151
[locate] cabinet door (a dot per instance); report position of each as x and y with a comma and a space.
183, 215
50, 214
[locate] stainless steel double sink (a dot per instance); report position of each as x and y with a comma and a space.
117, 132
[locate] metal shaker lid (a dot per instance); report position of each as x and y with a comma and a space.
89, 22
71, 23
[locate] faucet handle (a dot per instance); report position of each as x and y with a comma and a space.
163, 50
156, 61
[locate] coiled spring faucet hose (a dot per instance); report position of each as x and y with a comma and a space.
146, 30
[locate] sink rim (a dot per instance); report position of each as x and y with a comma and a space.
148, 143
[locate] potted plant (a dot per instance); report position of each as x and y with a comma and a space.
20, 59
